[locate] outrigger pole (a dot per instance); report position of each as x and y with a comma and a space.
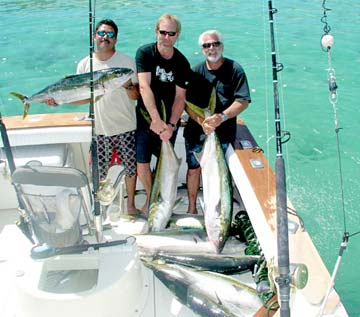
22, 223
283, 280
94, 152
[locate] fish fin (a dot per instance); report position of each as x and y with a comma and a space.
218, 299
145, 115
163, 110
197, 156
191, 108
177, 202
212, 102
26, 110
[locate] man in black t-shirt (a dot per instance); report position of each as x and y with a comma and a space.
229, 80
163, 73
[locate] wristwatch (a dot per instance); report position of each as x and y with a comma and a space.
224, 116
173, 126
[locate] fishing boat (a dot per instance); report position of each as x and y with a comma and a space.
68, 248
111, 279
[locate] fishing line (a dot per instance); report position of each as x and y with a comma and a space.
327, 42
266, 80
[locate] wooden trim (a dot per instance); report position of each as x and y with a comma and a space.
48, 120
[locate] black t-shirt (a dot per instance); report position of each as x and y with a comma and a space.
230, 84
198, 93
166, 74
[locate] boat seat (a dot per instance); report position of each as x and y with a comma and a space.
54, 198
59, 200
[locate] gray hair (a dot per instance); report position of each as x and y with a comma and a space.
215, 33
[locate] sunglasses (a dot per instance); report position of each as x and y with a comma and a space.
103, 33
208, 45
171, 33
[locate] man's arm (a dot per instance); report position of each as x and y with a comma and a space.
52, 103
176, 112
212, 122
178, 106
157, 125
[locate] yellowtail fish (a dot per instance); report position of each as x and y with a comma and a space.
207, 293
226, 264
217, 186
184, 241
164, 189
77, 87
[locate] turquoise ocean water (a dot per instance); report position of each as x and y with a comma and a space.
42, 40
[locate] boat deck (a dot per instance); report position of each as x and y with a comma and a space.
252, 176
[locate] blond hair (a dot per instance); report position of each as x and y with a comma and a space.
169, 17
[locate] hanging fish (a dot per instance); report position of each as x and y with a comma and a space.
217, 186
163, 196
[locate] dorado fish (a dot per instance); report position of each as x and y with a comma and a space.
77, 87
217, 187
164, 189
218, 294
226, 264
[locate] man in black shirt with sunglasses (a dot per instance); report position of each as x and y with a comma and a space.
163, 73
229, 80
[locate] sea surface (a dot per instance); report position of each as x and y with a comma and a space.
43, 40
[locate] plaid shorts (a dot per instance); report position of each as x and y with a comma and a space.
120, 149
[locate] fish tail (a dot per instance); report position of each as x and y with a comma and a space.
20, 96
24, 100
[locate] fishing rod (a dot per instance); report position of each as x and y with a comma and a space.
283, 280
23, 222
93, 147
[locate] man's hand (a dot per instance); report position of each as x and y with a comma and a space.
211, 123
158, 126
167, 133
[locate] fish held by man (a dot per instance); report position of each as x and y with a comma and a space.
217, 187
77, 87
164, 189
